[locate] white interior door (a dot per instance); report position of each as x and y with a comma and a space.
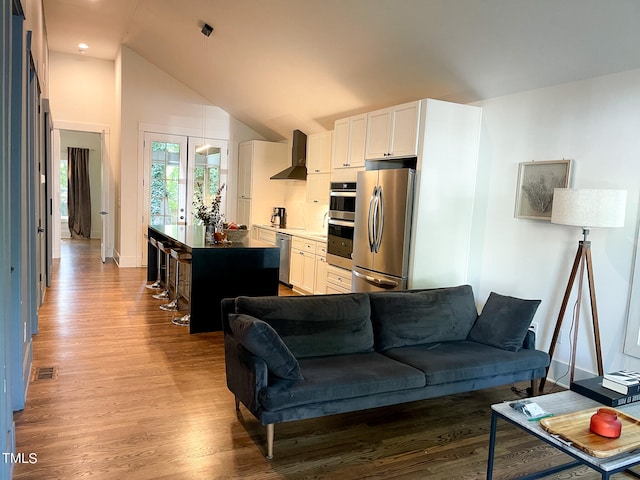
104, 208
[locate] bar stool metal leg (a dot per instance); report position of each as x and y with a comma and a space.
185, 259
164, 295
157, 285
172, 306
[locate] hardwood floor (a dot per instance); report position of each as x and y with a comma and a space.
139, 398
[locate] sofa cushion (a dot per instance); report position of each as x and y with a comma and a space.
342, 376
465, 361
318, 325
504, 321
263, 341
415, 317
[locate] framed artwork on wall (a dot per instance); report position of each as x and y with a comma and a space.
536, 181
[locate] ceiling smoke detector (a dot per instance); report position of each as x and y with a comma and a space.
206, 29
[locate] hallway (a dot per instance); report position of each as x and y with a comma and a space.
129, 387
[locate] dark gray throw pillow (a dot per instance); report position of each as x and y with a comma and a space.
504, 321
263, 341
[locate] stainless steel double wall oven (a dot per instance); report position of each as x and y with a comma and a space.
342, 213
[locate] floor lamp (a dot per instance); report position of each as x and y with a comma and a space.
586, 208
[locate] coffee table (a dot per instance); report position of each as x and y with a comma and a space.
559, 404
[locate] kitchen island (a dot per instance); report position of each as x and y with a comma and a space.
217, 271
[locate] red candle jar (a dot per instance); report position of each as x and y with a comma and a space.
605, 423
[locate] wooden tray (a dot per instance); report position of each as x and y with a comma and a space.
574, 428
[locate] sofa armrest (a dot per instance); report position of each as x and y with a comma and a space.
227, 306
529, 340
246, 374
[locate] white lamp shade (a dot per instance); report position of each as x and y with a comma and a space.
589, 208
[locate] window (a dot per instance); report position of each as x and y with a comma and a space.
206, 173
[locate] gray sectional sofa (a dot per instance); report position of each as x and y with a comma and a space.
291, 358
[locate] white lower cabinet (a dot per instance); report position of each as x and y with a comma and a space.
320, 284
338, 280
267, 236
307, 266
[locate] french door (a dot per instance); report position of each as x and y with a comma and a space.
177, 168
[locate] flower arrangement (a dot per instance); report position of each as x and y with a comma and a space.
209, 216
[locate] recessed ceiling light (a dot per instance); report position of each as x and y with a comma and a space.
82, 47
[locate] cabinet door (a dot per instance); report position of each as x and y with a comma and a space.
341, 144
320, 284
378, 139
404, 140
318, 188
296, 268
243, 215
357, 139
267, 236
319, 153
308, 272
245, 154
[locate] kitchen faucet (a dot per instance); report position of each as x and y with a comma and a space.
324, 218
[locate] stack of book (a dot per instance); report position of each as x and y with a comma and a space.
612, 389
623, 381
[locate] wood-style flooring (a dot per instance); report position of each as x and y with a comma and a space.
135, 397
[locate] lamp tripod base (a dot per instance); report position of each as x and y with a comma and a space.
582, 260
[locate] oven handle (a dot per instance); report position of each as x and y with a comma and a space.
342, 223
342, 193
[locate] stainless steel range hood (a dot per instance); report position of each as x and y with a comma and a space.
298, 168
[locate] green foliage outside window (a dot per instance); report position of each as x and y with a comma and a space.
165, 171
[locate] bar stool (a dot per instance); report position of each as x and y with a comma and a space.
176, 253
157, 285
164, 247
184, 259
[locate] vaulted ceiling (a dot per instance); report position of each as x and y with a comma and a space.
278, 65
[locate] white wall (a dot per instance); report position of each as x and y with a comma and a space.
151, 97
83, 98
300, 213
595, 123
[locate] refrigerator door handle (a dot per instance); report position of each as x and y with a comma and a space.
379, 219
371, 219
378, 282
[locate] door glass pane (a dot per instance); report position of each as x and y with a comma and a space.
206, 173
165, 179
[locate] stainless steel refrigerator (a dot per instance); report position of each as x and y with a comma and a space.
384, 208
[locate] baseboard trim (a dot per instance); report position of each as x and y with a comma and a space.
559, 373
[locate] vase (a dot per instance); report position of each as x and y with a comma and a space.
209, 232
605, 422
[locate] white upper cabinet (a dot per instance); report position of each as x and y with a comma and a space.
348, 142
393, 131
319, 152
318, 185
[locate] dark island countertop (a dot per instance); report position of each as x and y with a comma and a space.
192, 237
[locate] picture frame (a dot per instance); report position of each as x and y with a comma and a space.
536, 181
